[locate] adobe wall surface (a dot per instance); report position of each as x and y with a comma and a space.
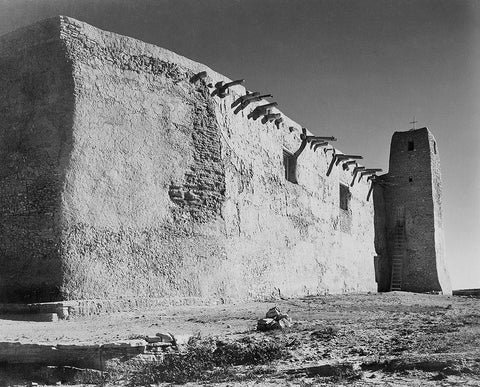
166, 192
437, 195
414, 189
384, 261
36, 110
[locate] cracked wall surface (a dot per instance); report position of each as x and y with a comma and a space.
161, 190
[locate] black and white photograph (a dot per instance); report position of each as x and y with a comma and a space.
240, 193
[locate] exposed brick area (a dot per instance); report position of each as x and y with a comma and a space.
203, 192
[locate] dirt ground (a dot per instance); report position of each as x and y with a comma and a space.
394, 339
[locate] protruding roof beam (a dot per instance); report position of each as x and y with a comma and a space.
303, 144
369, 171
323, 138
338, 157
315, 141
245, 97
247, 101
222, 88
261, 110
332, 163
355, 172
278, 122
347, 164
359, 168
343, 157
373, 179
319, 144
326, 150
304, 136
271, 117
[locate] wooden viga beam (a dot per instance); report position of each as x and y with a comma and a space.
338, 157
303, 144
322, 138
268, 117
248, 101
332, 163
369, 171
319, 144
278, 122
370, 190
316, 139
343, 157
319, 141
355, 172
346, 165
244, 98
198, 76
261, 110
222, 91
373, 179
326, 150
222, 88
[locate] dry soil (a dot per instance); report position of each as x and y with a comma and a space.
394, 339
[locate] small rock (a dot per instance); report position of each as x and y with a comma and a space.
182, 340
165, 337
266, 324
153, 339
284, 322
273, 313
274, 319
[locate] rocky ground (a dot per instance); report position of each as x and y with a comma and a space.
393, 339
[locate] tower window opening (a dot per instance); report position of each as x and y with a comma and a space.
344, 197
290, 167
435, 147
411, 146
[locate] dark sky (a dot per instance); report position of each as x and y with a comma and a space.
358, 70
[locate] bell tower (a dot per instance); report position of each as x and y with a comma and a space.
413, 256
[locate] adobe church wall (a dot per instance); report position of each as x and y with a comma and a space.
166, 192
292, 237
36, 105
145, 182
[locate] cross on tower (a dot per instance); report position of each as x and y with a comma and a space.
413, 122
